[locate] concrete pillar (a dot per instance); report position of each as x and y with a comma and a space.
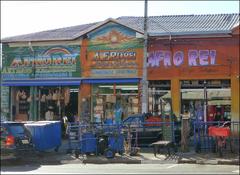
83, 101
235, 98
185, 134
235, 105
175, 94
33, 104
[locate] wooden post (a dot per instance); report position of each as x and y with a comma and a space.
185, 132
175, 94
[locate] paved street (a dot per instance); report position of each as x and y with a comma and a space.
120, 169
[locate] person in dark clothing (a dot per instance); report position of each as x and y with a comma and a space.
218, 117
70, 117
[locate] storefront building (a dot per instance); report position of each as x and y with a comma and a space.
39, 78
195, 73
94, 75
113, 60
95, 70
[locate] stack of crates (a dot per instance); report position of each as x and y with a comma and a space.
73, 131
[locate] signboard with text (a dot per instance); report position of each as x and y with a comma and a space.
112, 51
41, 62
193, 58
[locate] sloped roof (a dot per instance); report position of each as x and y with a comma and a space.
184, 24
51, 35
157, 26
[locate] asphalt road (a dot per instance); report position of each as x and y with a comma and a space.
120, 169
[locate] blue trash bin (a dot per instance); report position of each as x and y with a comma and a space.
45, 134
116, 143
88, 143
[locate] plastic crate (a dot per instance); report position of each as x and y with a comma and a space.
217, 131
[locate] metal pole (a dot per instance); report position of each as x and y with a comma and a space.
1, 69
144, 77
205, 100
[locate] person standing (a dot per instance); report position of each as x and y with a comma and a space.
76, 117
218, 116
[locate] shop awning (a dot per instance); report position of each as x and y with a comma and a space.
66, 82
41, 82
110, 80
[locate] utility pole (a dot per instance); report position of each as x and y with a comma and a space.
144, 77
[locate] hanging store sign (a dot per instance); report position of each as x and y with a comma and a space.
113, 36
114, 51
194, 58
114, 72
42, 62
111, 59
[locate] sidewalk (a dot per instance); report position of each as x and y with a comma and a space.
145, 156
209, 158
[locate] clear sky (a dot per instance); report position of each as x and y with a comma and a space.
23, 17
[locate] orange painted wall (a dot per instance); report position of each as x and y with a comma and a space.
86, 58
227, 59
226, 67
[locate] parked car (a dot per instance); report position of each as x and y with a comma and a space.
146, 133
16, 141
149, 128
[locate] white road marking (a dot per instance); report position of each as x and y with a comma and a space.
172, 166
236, 171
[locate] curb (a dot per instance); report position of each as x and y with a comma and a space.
181, 161
207, 162
111, 161
189, 161
158, 162
228, 162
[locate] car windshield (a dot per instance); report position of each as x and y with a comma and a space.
132, 120
135, 120
17, 130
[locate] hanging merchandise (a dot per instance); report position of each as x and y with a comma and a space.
58, 103
49, 96
111, 99
99, 101
98, 118
29, 99
43, 98
18, 95
54, 97
66, 95
23, 96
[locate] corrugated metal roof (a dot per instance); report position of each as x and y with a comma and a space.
66, 33
157, 26
184, 24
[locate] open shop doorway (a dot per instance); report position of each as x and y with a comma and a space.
71, 109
